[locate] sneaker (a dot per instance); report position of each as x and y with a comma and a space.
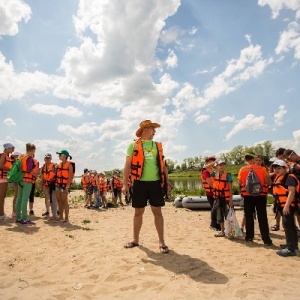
284, 246
220, 234
5, 217
285, 252
28, 222
31, 213
20, 221
45, 213
268, 244
249, 240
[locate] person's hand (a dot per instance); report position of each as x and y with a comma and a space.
286, 210
125, 189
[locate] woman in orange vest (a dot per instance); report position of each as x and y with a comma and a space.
24, 188
5, 165
286, 191
63, 181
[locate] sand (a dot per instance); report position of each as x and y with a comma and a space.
86, 259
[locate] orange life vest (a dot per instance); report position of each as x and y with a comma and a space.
138, 158
259, 172
221, 186
62, 174
84, 181
280, 190
208, 189
28, 177
35, 169
103, 185
48, 174
8, 163
117, 183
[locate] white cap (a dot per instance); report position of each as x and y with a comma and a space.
16, 153
279, 162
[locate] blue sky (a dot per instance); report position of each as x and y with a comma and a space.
81, 75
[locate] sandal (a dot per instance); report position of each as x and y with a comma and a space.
130, 245
164, 249
275, 227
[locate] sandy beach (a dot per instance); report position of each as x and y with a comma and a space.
86, 259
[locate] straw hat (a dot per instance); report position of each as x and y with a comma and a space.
144, 124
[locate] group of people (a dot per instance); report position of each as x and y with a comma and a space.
145, 179
282, 181
56, 180
96, 187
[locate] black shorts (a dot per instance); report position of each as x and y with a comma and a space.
147, 190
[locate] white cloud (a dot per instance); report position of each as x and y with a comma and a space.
227, 119
250, 122
172, 60
193, 30
277, 5
279, 116
166, 85
201, 118
290, 40
85, 130
54, 110
12, 12
9, 122
171, 35
15, 85
205, 71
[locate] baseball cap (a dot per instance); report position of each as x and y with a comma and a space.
220, 162
48, 155
8, 146
280, 163
65, 152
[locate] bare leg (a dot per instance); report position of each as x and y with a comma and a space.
15, 198
137, 223
60, 205
3, 190
159, 224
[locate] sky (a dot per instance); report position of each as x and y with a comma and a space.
82, 74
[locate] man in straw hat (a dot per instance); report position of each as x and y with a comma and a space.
145, 163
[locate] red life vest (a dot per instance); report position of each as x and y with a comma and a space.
62, 174
28, 177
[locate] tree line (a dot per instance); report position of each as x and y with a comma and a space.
233, 157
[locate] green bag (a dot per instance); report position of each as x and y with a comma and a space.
15, 174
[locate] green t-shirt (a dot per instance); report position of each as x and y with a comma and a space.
151, 168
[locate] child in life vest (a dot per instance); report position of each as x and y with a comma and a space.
286, 191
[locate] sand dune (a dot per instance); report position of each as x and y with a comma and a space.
86, 259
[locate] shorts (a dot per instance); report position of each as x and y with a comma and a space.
144, 191
222, 208
95, 189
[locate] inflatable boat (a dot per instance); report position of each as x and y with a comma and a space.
195, 202
178, 202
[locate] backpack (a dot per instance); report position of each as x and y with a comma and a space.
15, 174
253, 185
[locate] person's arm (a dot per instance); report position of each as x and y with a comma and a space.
2, 162
267, 177
229, 179
126, 173
71, 175
290, 198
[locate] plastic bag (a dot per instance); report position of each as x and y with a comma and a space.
232, 227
